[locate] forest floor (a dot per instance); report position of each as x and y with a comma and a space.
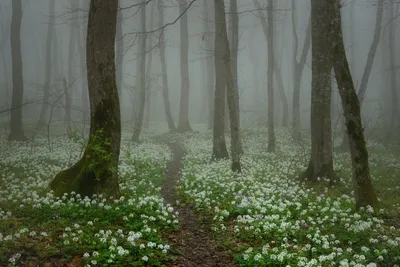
194, 238
177, 208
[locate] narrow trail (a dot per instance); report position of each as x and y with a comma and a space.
194, 239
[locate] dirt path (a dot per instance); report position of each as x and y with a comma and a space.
194, 239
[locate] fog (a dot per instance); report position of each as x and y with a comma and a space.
199, 133
358, 26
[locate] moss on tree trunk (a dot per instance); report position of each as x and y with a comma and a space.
97, 171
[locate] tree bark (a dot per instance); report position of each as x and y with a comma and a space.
270, 77
364, 191
47, 79
83, 68
224, 57
219, 145
234, 48
184, 125
16, 128
321, 162
3, 59
119, 40
137, 128
298, 73
165, 90
97, 171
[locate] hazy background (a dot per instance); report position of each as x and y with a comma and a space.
358, 26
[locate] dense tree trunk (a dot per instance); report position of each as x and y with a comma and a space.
270, 77
368, 66
47, 79
298, 66
82, 45
165, 90
364, 191
224, 58
148, 70
219, 145
141, 77
234, 48
184, 124
231, 81
321, 162
97, 171
119, 40
16, 128
204, 105
3, 43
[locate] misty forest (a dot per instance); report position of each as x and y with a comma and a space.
199, 133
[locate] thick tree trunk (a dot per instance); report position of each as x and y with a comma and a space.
16, 129
270, 77
209, 39
368, 66
184, 125
321, 162
223, 57
165, 90
234, 47
219, 145
141, 88
97, 171
3, 43
298, 66
47, 79
82, 47
119, 41
364, 191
